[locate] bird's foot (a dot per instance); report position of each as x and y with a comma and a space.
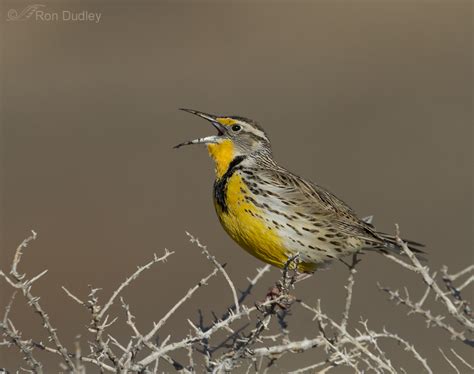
277, 296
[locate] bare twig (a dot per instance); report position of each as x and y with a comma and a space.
456, 291
423, 271
238, 339
218, 266
188, 295
427, 314
349, 288
471, 367
449, 361
131, 278
16, 281
13, 335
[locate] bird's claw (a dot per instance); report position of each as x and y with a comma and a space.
277, 296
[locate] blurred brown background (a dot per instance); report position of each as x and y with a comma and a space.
370, 99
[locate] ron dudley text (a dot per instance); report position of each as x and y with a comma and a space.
68, 16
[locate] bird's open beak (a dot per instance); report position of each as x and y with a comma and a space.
208, 139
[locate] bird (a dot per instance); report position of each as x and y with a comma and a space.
274, 214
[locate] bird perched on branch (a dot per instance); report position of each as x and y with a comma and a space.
274, 214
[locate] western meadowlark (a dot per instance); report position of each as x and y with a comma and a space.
274, 214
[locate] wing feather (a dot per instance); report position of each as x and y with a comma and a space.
311, 199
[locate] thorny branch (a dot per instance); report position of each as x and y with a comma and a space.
457, 308
218, 266
252, 337
17, 280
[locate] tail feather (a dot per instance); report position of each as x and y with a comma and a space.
391, 245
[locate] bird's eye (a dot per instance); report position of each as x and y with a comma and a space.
236, 128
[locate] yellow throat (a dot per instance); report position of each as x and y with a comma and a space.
222, 153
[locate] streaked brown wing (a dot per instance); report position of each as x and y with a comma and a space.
310, 199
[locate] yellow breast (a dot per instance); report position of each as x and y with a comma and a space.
245, 223
242, 220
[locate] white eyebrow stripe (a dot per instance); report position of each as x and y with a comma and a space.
253, 130
259, 133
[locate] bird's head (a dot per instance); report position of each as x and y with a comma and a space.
236, 136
